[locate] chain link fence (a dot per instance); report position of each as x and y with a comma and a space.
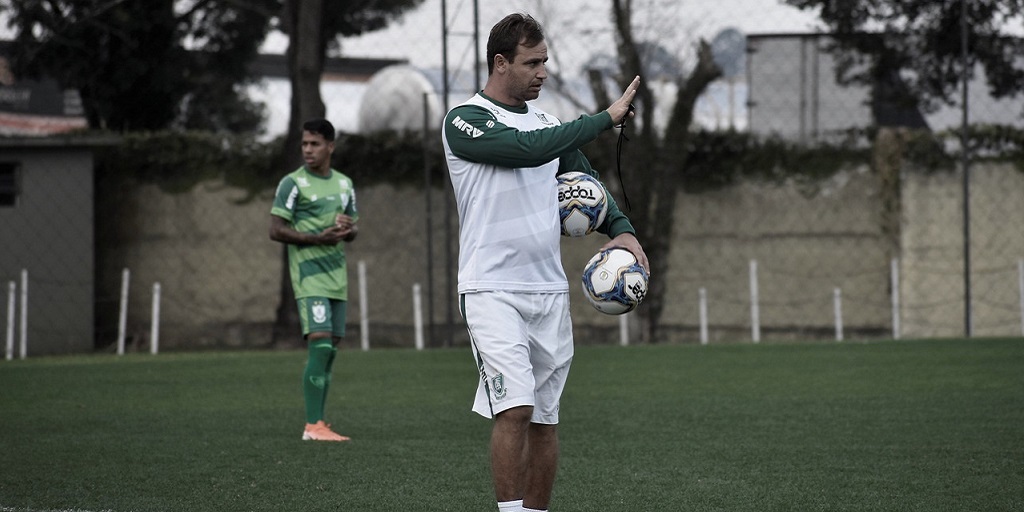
876, 250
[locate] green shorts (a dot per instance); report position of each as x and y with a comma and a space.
320, 314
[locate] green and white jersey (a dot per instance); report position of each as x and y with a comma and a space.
310, 203
502, 161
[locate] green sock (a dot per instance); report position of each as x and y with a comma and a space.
327, 379
314, 379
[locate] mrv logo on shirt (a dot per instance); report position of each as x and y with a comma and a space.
469, 129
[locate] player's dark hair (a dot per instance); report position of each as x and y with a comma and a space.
321, 126
508, 33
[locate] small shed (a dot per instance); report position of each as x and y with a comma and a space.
47, 234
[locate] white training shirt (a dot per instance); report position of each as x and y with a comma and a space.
508, 216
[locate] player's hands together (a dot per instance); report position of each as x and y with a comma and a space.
629, 242
344, 222
331, 236
347, 225
620, 110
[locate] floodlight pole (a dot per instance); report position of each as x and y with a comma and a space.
965, 165
445, 89
476, 46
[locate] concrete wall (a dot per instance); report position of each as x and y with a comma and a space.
932, 266
220, 273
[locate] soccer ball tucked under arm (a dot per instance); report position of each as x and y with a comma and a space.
614, 282
582, 203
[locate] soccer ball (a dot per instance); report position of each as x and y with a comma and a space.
582, 203
614, 282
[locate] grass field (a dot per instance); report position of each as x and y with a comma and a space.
908, 426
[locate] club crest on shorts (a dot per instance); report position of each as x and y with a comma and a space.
319, 312
498, 385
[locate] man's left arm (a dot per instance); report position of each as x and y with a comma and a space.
616, 224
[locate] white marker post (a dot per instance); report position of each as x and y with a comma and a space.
894, 285
755, 308
364, 315
11, 297
154, 345
122, 319
24, 314
703, 316
837, 306
624, 330
417, 315
1020, 276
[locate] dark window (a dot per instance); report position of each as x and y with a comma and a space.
8, 184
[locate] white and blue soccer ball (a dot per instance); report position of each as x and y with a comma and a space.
614, 282
582, 203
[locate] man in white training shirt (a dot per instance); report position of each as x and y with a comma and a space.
503, 155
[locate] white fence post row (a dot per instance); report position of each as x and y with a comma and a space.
894, 282
1020, 277
122, 319
703, 304
417, 314
755, 308
11, 297
624, 329
154, 344
364, 315
837, 306
24, 314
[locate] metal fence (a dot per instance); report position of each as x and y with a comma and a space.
875, 251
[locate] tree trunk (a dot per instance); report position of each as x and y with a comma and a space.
656, 164
301, 20
664, 180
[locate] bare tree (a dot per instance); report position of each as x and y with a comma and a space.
655, 160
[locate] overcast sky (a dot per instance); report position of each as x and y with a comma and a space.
575, 29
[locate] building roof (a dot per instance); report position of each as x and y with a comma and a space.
269, 65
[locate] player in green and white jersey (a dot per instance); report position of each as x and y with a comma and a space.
314, 212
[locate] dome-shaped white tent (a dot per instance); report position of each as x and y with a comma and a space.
394, 100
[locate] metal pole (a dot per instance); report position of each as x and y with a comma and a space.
965, 164
803, 91
429, 219
449, 285
444, 55
476, 45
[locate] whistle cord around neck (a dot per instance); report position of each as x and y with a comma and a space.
618, 154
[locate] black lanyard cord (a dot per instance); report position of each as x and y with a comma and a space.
618, 153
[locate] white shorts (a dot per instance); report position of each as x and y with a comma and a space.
522, 343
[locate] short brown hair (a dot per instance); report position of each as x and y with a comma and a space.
508, 33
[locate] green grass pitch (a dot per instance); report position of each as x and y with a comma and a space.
884, 426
